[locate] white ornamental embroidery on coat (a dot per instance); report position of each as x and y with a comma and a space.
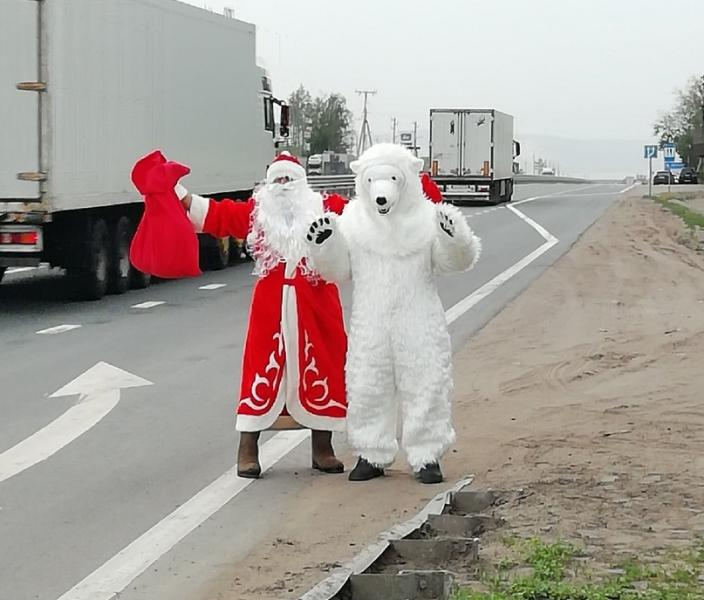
313, 385
267, 381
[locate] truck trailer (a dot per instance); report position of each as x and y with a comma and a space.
472, 153
89, 86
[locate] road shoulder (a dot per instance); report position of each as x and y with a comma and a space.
585, 390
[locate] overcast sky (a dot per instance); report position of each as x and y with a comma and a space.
585, 69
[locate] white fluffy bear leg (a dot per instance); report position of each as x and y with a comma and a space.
424, 379
329, 252
455, 247
371, 399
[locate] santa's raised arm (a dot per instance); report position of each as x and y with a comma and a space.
294, 355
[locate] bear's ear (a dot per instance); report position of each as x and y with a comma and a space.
354, 166
417, 165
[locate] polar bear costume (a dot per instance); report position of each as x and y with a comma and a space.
391, 241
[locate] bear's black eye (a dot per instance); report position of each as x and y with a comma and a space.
393, 178
369, 180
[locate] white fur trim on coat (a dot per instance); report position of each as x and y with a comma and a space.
198, 211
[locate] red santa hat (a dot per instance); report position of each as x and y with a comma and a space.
285, 165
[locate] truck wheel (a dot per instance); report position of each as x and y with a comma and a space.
495, 196
217, 255
119, 278
139, 280
509, 192
92, 276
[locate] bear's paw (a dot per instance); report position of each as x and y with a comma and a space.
320, 231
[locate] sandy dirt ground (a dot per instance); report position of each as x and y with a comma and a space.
587, 391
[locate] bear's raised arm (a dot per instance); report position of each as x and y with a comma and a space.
329, 253
221, 219
455, 247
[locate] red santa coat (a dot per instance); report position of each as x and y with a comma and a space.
294, 354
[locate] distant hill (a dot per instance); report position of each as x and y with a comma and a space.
587, 158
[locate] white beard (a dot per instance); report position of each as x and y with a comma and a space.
282, 215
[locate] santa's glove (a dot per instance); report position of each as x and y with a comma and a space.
181, 191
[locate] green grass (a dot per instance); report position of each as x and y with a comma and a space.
691, 218
554, 575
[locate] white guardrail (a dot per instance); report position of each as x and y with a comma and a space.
345, 183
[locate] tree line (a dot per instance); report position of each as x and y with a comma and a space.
319, 123
683, 125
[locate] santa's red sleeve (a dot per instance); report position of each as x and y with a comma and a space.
334, 203
430, 188
221, 219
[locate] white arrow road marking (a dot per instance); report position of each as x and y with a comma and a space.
108, 581
99, 389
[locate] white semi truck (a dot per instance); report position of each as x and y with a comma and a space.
472, 153
89, 86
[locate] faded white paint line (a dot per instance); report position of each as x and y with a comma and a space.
149, 304
109, 580
212, 286
456, 311
99, 390
629, 188
58, 329
14, 270
562, 193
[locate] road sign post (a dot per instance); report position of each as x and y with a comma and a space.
650, 152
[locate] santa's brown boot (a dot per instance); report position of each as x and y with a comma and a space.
323, 454
248, 455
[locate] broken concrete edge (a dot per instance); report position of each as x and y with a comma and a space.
330, 586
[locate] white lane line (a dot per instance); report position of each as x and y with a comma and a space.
566, 193
109, 580
629, 188
456, 311
212, 286
149, 304
58, 329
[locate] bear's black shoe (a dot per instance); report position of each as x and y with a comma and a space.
364, 471
430, 473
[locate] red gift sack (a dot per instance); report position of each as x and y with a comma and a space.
165, 244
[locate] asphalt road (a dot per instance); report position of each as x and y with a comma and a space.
67, 515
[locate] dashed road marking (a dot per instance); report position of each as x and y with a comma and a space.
58, 329
212, 286
149, 304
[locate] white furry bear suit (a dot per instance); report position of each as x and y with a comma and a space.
391, 241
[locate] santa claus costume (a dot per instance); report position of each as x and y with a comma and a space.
294, 354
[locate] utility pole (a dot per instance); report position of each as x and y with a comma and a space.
415, 138
394, 129
365, 135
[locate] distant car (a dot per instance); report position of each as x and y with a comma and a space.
663, 177
688, 175
548, 172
